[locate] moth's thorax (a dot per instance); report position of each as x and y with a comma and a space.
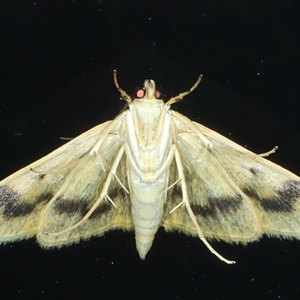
148, 108
148, 124
148, 114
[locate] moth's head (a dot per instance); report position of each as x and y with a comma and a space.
149, 91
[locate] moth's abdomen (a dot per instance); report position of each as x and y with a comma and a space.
147, 204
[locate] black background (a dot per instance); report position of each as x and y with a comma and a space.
57, 59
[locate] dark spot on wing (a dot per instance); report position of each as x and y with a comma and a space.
283, 201
251, 193
68, 206
20, 210
218, 205
290, 189
116, 192
176, 192
7, 196
45, 197
254, 170
11, 205
80, 206
14, 207
102, 209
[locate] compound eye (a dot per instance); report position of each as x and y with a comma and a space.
157, 94
140, 93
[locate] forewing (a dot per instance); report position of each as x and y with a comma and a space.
235, 195
56, 191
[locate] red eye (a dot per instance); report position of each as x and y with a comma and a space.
157, 94
140, 93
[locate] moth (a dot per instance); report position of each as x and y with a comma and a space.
149, 167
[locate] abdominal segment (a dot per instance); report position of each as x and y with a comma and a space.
147, 205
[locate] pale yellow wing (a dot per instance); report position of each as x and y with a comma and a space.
56, 191
235, 195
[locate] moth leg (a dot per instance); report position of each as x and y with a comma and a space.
188, 207
251, 155
103, 194
100, 162
121, 184
226, 153
268, 153
177, 206
173, 184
